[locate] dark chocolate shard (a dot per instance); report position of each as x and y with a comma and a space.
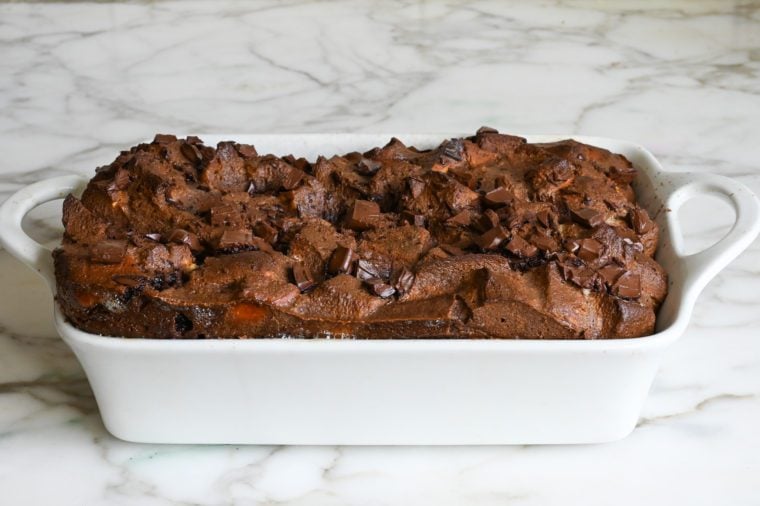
460, 219
491, 239
246, 150
302, 278
183, 236
190, 152
640, 221
232, 239
453, 148
108, 252
589, 249
266, 231
366, 270
164, 139
498, 197
628, 286
361, 214
292, 178
610, 273
587, 216
521, 248
402, 280
368, 167
380, 288
341, 260
543, 242
486, 221
417, 220
224, 214
544, 218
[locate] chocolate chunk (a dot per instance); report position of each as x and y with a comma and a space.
190, 152
589, 249
183, 236
341, 260
544, 218
266, 232
486, 221
246, 150
628, 286
302, 278
380, 288
416, 186
640, 221
460, 219
402, 280
182, 324
587, 216
578, 275
521, 248
109, 251
164, 139
610, 273
498, 197
235, 239
543, 242
292, 178
486, 130
491, 239
361, 214
130, 280
154, 237
453, 148
452, 250
224, 214
366, 270
572, 245
368, 167
417, 220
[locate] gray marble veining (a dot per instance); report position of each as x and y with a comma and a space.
81, 81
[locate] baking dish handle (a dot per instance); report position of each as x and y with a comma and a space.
12, 212
705, 264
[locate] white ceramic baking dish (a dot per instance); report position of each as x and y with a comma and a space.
459, 391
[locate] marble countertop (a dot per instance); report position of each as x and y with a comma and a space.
81, 81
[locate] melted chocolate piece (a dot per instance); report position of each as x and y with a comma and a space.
368, 167
491, 239
587, 217
302, 278
183, 236
417, 220
628, 286
341, 260
498, 197
589, 249
361, 214
521, 248
640, 221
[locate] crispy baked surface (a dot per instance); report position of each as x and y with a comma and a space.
482, 237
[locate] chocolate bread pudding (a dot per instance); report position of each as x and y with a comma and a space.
486, 236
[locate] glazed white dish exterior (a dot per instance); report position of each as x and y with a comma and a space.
294, 391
